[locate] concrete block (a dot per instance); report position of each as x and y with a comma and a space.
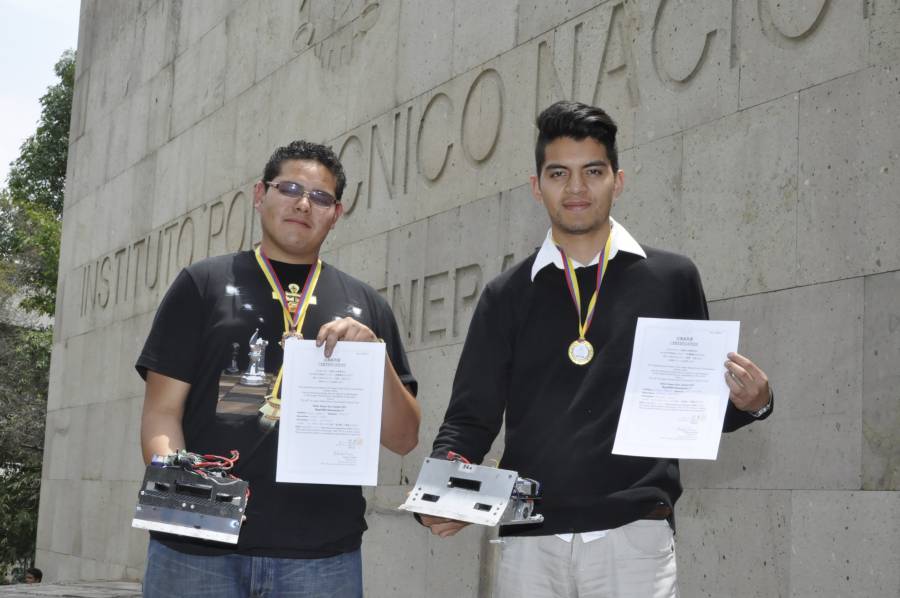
199, 85
849, 151
296, 109
66, 535
252, 146
535, 17
479, 37
455, 565
432, 369
733, 543
523, 226
156, 38
176, 167
240, 64
97, 531
845, 544
159, 119
883, 17
686, 71
374, 35
216, 144
366, 260
425, 42
196, 19
278, 26
394, 547
787, 47
880, 399
812, 441
651, 206
405, 273
754, 215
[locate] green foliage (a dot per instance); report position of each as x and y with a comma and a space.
31, 205
21, 488
30, 224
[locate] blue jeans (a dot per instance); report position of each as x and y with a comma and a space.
172, 574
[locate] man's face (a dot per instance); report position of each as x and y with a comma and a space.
577, 186
29, 578
293, 229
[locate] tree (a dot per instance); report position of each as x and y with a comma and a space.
31, 206
30, 224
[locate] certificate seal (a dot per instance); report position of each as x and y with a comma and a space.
581, 352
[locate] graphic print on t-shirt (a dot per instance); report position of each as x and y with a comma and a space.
242, 393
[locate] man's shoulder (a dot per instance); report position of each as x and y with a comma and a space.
350, 282
514, 279
219, 270
663, 259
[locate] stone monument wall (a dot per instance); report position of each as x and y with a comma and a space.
760, 138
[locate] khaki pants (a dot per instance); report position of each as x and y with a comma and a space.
633, 561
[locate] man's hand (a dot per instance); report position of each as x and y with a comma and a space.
443, 527
749, 385
400, 414
345, 329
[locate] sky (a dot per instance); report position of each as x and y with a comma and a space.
33, 35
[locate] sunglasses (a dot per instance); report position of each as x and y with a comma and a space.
296, 191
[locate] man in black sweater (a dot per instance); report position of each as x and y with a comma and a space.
549, 348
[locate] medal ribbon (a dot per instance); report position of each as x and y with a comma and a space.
293, 323
575, 292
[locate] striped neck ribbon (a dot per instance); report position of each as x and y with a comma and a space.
293, 322
574, 291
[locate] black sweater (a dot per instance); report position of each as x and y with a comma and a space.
561, 418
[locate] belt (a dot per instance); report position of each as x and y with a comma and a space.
660, 511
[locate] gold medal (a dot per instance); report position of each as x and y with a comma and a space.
581, 351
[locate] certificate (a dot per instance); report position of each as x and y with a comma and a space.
676, 395
330, 413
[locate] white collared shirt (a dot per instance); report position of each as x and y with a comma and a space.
621, 241
549, 254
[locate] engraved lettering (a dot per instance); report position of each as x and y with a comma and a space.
137, 249
185, 243
670, 80
434, 306
351, 156
377, 147
782, 34
404, 310
216, 212
167, 231
432, 137
617, 59
118, 278
155, 269
466, 291
103, 291
482, 117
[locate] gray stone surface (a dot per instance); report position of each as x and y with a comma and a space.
98, 589
758, 137
881, 381
714, 561
828, 531
849, 156
813, 440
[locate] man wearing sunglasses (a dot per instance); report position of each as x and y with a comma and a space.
211, 365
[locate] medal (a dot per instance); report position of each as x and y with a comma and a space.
580, 350
293, 308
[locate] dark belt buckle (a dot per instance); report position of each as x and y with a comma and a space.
660, 511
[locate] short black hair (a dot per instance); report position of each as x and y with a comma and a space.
36, 573
578, 121
304, 150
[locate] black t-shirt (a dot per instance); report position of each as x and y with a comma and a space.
201, 335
